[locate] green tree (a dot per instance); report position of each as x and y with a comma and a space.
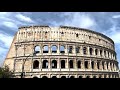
5, 72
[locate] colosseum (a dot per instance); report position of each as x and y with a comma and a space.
61, 52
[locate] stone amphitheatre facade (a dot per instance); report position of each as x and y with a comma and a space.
64, 52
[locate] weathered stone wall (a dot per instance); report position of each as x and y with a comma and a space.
27, 38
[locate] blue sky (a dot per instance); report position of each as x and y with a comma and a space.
107, 23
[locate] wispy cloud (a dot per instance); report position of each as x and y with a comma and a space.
116, 16
24, 18
77, 20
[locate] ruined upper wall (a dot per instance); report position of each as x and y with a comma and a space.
63, 33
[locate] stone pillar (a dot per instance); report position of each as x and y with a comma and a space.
67, 63
58, 48
75, 63
74, 49
105, 65
40, 64
66, 49
82, 64
49, 64
58, 63
90, 66
49, 49
101, 65
88, 51
81, 50
94, 51
95, 64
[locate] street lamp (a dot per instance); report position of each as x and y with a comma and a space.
22, 73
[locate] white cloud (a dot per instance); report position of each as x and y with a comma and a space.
116, 16
10, 25
77, 20
24, 18
6, 39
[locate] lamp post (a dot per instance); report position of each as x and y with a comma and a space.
22, 73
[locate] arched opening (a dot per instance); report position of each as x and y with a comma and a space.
79, 64
54, 64
54, 49
63, 77
98, 65
62, 49
86, 64
45, 64
107, 65
92, 63
100, 52
62, 63
54, 77
77, 49
44, 77
103, 65
45, 49
80, 77
72, 77
70, 49
35, 64
84, 50
87, 76
94, 76
77, 35
105, 53
71, 63
37, 49
90, 50
96, 51
35, 77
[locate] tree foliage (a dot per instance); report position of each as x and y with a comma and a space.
5, 72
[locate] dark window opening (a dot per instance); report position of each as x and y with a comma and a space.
86, 64
54, 64
96, 51
45, 64
100, 52
107, 65
77, 49
98, 65
63, 77
72, 77
71, 63
79, 64
94, 76
44, 77
91, 51
36, 65
54, 77
63, 64
87, 76
84, 50
35, 77
77, 35
80, 76
105, 53
70, 49
103, 65
92, 63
